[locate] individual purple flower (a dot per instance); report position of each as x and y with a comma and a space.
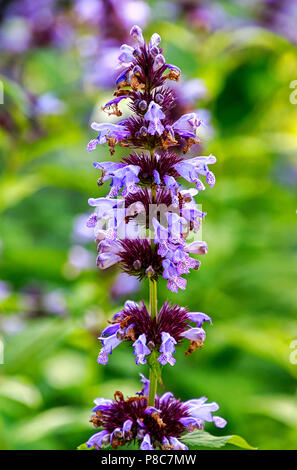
136, 34
199, 409
110, 133
195, 334
154, 115
98, 440
146, 443
126, 55
146, 385
177, 445
199, 318
159, 62
187, 125
167, 348
121, 175
197, 247
110, 340
191, 170
141, 350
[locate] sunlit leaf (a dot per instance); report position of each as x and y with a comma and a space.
204, 439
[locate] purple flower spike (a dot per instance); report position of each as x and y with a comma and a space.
167, 348
141, 350
143, 225
146, 443
154, 115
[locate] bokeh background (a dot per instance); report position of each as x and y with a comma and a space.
238, 60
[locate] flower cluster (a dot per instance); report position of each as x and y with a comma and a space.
160, 426
134, 323
147, 224
150, 178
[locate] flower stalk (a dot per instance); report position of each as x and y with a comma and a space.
154, 378
145, 193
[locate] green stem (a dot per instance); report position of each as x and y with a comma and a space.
154, 365
153, 312
153, 298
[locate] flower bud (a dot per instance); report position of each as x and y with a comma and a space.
137, 265
159, 98
142, 105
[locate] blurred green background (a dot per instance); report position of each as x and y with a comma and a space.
54, 302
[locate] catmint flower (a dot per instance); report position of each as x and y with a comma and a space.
155, 40
154, 115
136, 34
122, 176
145, 232
110, 133
141, 350
159, 62
167, 348
146, 443
126, 56
199, 318
197, 247
192, 168
161, 426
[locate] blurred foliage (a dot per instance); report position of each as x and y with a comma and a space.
247, 282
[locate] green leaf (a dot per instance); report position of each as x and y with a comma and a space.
204, 439
83, 447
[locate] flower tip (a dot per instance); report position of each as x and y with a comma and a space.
136, 33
